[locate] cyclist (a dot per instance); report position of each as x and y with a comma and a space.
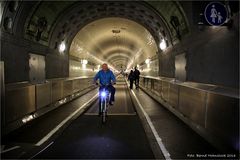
106, 78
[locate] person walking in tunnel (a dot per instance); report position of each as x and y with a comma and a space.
136, 75
106, 78
131, 78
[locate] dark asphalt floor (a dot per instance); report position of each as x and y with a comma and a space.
122, 137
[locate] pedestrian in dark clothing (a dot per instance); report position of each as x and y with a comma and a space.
136, 75
131, 78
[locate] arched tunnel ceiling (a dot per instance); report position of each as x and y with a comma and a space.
66, 18
59, 21
116, 41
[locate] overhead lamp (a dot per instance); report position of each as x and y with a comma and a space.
163, 44
147, 61
62, 47
84, 61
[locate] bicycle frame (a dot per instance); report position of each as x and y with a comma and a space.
104, 95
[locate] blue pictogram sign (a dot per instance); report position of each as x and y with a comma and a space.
216, 13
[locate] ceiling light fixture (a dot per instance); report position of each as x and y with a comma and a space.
84, 61
147, 61
163, 44
62, 47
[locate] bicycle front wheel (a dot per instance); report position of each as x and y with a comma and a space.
104, 118
104, 112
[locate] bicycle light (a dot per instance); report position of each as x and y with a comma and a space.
103, 94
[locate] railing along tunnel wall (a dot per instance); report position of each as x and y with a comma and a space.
212, 111
28, 101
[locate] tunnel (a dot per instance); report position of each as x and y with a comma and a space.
59, 57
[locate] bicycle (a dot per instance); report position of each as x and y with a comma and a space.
104, 100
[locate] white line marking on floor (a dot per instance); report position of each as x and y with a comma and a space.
10, 149
159, 140
44, 139
42, 150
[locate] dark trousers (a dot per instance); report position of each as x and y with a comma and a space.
137, 82
111, 89
131, 83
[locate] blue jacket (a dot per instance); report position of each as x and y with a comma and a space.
105, 77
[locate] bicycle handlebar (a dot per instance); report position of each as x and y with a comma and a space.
105, 85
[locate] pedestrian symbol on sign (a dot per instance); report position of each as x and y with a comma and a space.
216, 13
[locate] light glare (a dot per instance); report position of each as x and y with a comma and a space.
163, 44
84, 66
84, 61
62, 47
147, 61
103, 94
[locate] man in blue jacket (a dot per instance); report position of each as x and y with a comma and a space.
106, 78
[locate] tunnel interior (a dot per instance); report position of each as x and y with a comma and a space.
121, 43
49, 24
51, 50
